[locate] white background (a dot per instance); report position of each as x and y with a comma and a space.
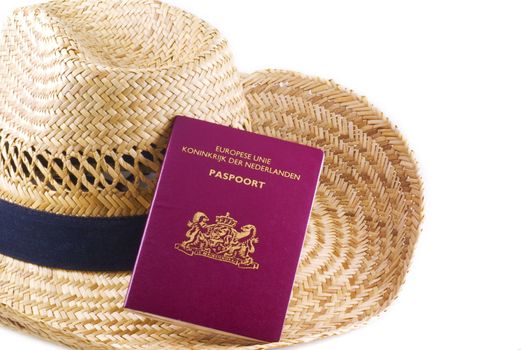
449, 75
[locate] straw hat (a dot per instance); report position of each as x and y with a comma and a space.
89, 89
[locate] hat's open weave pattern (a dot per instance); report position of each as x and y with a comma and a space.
358, 247
89, 89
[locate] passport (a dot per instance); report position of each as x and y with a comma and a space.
225, 229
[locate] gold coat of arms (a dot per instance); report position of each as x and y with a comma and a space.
221, 240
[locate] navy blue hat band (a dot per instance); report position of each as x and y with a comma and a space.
69, 242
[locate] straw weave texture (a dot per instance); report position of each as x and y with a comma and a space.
89, 90
84, 115
363, 228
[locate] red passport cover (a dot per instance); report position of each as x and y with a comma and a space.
225, 229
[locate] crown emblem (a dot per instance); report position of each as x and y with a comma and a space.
220, 241
225, 220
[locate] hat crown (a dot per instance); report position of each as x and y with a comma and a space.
88, 94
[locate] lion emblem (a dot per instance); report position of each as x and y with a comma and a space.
220, 240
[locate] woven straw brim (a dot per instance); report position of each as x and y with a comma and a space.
358, 247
